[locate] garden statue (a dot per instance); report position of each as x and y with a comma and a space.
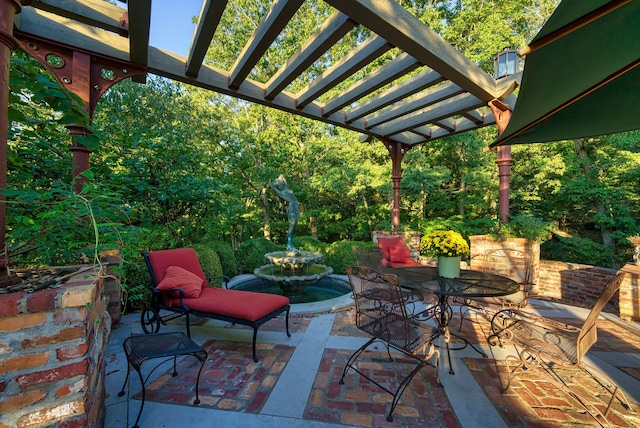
279, 185
293, 270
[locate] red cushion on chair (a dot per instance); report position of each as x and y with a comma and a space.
385, 243
399, 254
246, 305
185, 258
177, 277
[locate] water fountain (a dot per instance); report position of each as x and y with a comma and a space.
295, 273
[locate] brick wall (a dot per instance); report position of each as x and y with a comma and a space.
52, 355
571, 283
581, 285
479, 244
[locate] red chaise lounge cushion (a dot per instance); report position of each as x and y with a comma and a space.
246, 305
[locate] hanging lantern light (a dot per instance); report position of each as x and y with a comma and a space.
506, 63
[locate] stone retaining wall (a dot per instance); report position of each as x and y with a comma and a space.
52, 346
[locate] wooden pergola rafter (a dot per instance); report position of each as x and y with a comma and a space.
427, 91
449, 95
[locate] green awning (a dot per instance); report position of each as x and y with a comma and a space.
583, 83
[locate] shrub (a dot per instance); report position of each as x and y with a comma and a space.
250, 254
135, 280
227, 257
341, 253
309, 243
210, 262
576, 250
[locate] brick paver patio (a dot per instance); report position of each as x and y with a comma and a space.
231, 381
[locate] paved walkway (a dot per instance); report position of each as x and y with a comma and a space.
294, 383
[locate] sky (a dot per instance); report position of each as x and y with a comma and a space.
171, 27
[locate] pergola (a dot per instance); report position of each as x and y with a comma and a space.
429, 90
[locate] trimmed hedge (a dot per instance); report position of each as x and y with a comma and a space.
250, 254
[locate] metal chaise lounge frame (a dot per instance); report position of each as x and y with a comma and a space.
543, 342
236, 306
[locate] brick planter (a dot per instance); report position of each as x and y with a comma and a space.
479, 244
52, 355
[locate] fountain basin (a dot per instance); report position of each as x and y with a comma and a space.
294, 260
293, 278
326, 289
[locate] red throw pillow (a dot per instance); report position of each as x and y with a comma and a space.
177, 277
399, 254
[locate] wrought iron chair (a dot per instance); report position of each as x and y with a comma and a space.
514, 264
381, 313
370, 257
544, 342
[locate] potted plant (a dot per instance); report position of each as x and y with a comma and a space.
448, 246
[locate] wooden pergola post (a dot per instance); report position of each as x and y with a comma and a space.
397, 152
8, 10
502, 113
88, 75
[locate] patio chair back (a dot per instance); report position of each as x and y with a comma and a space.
514, 264
380, 309
159, 261
369, 257
588, 333
542, 339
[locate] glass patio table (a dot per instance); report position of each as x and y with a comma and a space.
425, 280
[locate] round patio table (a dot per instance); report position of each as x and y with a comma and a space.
425, 279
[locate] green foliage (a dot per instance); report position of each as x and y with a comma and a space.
339, 254
227, 257
532, 228
136, 279
309, 243
576, 250
210, 262
65, 227
250, 254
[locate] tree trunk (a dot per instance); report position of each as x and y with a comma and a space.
586, 164
265, 212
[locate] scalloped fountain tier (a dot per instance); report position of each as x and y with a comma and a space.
293, 271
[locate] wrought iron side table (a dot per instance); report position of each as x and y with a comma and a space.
140, 349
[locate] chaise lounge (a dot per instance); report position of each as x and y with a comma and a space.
181, 288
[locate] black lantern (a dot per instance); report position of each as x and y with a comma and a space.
506, 63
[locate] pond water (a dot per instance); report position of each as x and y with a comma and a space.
325, 289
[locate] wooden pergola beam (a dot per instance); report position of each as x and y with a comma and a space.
268, 30
355, 60
398, 92
439, 111
400, 28
416, 102
326, 36
398, 67
208, 21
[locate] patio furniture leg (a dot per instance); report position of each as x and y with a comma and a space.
354, 357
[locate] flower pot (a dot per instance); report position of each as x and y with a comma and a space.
449, 267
